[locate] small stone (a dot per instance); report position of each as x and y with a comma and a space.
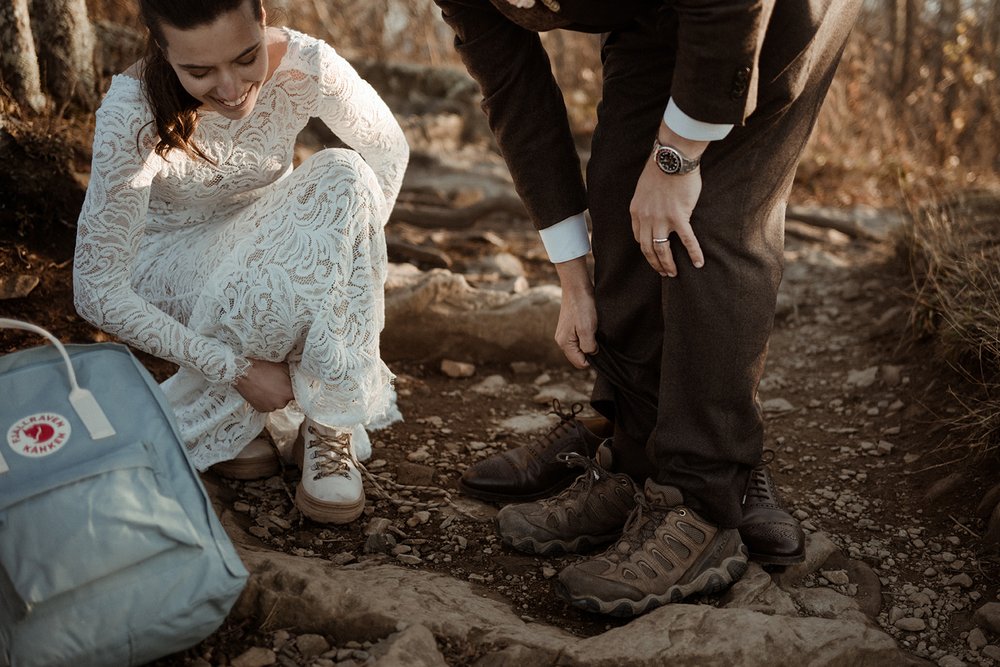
377, 526
976, 639
260, 532
862, 378
523, 367
910, 624
992, 652
962, 580
930, 572
311, 645
17, 286
988, 617
280, 638
836, 577
891, 375
895, 614
884, 448
241, 506
257, 656
548, 571
490, 386
777, 405
457, 369
409, 559
950, 661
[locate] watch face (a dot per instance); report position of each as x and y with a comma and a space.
668, 160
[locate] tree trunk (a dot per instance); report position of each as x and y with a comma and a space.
65, 42
18, 64
910, 44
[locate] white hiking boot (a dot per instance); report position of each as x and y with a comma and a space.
331, 490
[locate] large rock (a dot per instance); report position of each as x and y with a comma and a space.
436, 314
376, 602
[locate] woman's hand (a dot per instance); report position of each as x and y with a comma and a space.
662, 205
267, 385
577, 312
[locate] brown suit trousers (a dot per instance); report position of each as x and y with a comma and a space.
680, 358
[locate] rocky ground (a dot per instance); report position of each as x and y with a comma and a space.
853, 419
902, 563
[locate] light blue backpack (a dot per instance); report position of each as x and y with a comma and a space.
110, 552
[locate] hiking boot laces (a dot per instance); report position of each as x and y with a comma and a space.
582, 485
331, 454
641, 524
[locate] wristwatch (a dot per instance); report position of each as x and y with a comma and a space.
672, 161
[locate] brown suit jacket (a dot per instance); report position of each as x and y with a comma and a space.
729, 56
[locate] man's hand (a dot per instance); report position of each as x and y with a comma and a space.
577, 312
267, 386
662, 205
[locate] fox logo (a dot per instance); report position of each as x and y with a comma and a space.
39, 435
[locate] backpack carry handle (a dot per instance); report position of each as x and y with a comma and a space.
83, 402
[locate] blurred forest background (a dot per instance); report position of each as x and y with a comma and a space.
912, 123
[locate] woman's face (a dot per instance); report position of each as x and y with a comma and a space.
221, 64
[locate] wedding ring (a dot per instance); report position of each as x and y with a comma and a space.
665, 240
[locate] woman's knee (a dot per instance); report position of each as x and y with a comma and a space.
344, 170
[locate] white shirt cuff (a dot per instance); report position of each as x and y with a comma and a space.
567, 239
692, 129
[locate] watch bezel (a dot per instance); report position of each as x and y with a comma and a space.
671, 161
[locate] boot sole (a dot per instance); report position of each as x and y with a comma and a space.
507, 498
326, 512
711, 581
247, 469
578, 544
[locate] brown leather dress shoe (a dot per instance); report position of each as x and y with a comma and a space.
532, 471
771, 534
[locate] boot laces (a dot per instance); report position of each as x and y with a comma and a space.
582, 485
331, 454
641, 524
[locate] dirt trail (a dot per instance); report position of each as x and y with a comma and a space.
851, 416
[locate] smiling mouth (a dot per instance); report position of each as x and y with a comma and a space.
234, 104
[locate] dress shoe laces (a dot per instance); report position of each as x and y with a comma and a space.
757, 485
566, 420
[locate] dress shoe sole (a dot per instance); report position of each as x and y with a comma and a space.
711, 581
505, 498
773, 559
323, 511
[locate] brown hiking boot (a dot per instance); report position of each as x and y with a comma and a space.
590, 512
772, 535
532, 471
665, 554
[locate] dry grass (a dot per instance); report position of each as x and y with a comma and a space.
953, 249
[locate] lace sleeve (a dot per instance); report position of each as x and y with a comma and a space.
351, 108
109, 229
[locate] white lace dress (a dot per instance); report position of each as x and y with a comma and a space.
209, 265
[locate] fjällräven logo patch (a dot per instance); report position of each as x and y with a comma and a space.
39, 434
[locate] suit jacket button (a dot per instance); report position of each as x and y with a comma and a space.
740, 82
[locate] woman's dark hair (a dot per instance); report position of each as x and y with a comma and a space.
174, 109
